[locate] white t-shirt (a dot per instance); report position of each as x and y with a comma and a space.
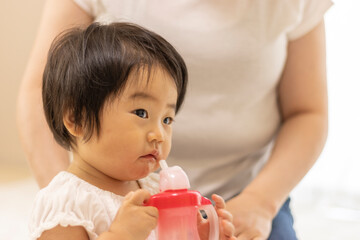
71, 201
235, 51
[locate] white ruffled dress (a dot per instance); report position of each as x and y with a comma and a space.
71, 201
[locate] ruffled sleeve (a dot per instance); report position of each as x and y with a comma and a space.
65, 203
151, 183
310, 14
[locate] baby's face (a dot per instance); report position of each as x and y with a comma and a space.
136, 129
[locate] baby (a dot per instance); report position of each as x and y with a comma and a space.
110, 95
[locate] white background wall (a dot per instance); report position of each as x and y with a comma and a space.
326, 203
338, 167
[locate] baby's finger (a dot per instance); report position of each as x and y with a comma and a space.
224, 214
139, 197
219, 201
152, 211
129, 195
199, 218
228, 228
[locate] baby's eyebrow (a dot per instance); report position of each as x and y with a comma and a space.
143, 95
146, 96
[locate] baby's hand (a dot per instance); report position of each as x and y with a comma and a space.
226, 226
133, 220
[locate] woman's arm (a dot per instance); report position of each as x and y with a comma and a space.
303, 100
46, 158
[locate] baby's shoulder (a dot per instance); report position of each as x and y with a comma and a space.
68, 201
65, 186
71, 201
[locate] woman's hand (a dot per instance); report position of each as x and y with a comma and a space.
133, 220
252, 218
226, 226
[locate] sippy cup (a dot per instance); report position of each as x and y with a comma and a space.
178, 207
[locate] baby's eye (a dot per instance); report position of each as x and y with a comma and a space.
168, 120
141, 113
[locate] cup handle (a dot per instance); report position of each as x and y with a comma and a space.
213, 221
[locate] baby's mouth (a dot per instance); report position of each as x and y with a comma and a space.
153, 156
149, 156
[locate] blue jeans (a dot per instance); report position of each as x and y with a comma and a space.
282, 225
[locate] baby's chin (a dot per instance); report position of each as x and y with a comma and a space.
156, 167
151, 167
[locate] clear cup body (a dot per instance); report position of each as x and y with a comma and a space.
178, 223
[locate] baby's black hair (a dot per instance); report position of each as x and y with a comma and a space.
86, 66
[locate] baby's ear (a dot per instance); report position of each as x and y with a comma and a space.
74, 129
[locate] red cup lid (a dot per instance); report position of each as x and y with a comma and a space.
177, 198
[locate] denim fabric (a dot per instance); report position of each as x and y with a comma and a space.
282, 225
